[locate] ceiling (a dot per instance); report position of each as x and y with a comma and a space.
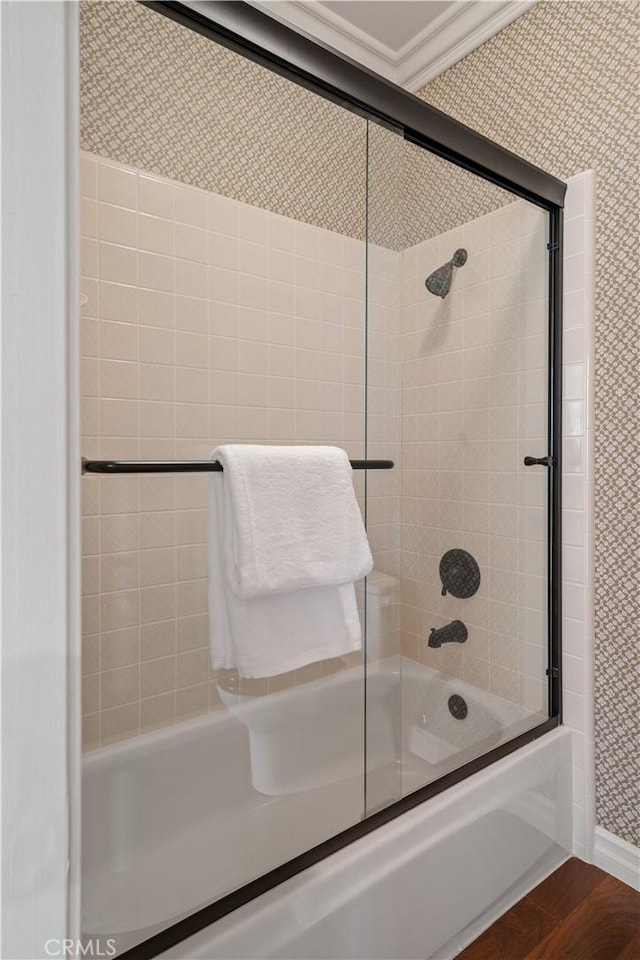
407, 41
393, 24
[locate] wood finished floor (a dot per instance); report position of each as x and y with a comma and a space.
577, 913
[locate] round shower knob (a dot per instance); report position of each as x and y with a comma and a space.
459, 573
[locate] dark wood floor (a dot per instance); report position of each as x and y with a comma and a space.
578, 913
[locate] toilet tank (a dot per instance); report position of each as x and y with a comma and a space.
383, 614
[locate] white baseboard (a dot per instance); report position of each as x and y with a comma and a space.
617, 857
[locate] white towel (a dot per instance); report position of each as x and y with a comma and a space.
265, 636
292, 519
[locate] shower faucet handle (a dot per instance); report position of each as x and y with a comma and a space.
540, 461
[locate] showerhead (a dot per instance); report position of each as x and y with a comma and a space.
439, 282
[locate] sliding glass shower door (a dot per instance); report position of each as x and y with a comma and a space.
464, 597
224, 264
261, 265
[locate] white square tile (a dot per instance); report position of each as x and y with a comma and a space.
281, 233
573, 673
575, 199
155, 234
573, 534
253, 258
574, 272
573, 455
573, 600
573, 491
118, 185
573, 710
573, 640
573, 418
573, 564
574, 309
573, 346
190, 206
573, 376
253, 224
155, 196
222, 215
574, 236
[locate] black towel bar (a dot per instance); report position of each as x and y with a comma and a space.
192, 466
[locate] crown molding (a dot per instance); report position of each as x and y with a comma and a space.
450, 37
456, 39
324, 26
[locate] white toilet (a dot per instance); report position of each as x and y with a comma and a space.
383, 615
312, 734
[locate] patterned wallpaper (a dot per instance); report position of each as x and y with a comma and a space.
214, 120
559, 86
157, 96
438, 196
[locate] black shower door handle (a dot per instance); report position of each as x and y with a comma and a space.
539, 461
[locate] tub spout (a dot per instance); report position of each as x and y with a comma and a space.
454, 632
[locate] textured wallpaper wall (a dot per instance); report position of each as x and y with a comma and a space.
559, 86
193, 111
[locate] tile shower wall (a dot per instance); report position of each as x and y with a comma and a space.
206, 320
473, 402
578, 593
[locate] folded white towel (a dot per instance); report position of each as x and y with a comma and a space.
292, 519
265, 636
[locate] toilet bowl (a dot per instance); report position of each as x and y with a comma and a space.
381, 629
312, 733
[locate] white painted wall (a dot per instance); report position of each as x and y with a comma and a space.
40, 508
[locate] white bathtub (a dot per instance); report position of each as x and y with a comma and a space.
424, 885
179, 817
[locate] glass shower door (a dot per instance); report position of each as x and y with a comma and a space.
470, 667
383, 705
223, 302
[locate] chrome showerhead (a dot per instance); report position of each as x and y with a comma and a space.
439, 282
